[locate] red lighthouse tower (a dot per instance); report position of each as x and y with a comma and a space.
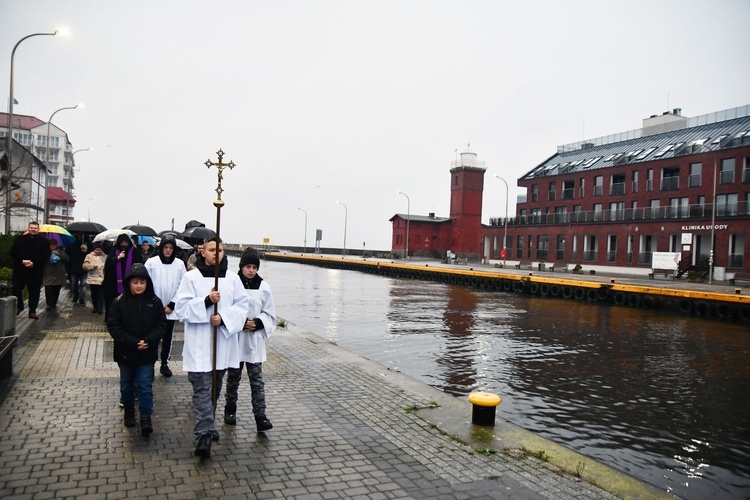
467, 184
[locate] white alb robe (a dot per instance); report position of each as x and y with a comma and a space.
166, 279
253, 344
190, 306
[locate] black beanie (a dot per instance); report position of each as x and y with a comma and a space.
249, 256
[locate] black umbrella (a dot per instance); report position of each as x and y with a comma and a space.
86, 227
194, 223
174, 233
141, 230
197, 234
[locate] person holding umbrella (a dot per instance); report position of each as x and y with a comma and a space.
55, 275
29, 253
194, 306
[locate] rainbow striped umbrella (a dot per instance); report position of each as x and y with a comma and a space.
57, 233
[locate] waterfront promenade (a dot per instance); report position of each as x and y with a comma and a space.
344, 427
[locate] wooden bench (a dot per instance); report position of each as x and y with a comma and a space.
6, 355
524, 264
668, 273
735, 277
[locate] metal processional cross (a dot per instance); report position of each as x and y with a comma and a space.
218, 203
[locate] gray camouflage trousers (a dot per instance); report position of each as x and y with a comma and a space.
257, 389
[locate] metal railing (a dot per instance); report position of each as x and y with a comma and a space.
704, 211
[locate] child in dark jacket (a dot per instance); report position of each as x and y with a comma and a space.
137, 322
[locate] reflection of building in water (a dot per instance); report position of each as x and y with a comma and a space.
457, 357
677, 184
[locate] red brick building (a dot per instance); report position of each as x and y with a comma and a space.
671, 186
462, 232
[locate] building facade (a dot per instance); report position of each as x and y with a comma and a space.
31, 133
677, 184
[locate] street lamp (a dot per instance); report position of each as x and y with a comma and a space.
9, 148
505, 235
408, 216
46, 164
346, 215
713, 221
70, 184
89, 213
304, 249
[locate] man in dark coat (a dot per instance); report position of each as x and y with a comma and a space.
119, 261
29, 253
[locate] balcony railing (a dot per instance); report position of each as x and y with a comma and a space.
589, 256
644, 258
617, 188
670, 183
698, 212
726, 177
695, 180
567, 194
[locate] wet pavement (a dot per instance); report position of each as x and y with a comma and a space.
344, 427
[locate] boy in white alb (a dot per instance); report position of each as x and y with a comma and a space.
194, 306
260, 324
166, 272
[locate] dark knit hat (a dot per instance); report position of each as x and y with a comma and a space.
249, 256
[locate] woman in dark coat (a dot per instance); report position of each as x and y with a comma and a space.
136, 323
119, 261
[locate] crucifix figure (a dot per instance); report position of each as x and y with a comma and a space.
220, 166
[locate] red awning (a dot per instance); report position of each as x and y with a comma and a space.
59, 194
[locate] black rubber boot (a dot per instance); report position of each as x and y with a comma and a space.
129, 419
146, 427
262, 423
230, 414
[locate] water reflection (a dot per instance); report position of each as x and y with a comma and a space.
662, 397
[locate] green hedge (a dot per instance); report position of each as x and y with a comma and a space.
6, 240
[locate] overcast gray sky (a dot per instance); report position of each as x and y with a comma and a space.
321, 101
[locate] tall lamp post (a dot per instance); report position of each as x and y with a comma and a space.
304, 249
70, 184
9, 148
713, 221
346, 215
505, 235
46, 164
408, 216
89, 212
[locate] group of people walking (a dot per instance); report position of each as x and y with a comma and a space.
143, 298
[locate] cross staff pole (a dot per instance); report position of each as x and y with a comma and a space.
218, 203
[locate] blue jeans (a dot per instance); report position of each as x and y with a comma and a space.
140, 377
78, 286
202, 406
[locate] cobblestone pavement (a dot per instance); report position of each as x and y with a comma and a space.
344, 427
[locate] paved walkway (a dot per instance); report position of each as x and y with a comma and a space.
344, 427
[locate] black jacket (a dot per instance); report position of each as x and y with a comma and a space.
33, 248
133, 318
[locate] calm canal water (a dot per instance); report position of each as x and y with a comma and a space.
661, 397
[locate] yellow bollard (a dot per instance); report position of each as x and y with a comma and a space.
483, 411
